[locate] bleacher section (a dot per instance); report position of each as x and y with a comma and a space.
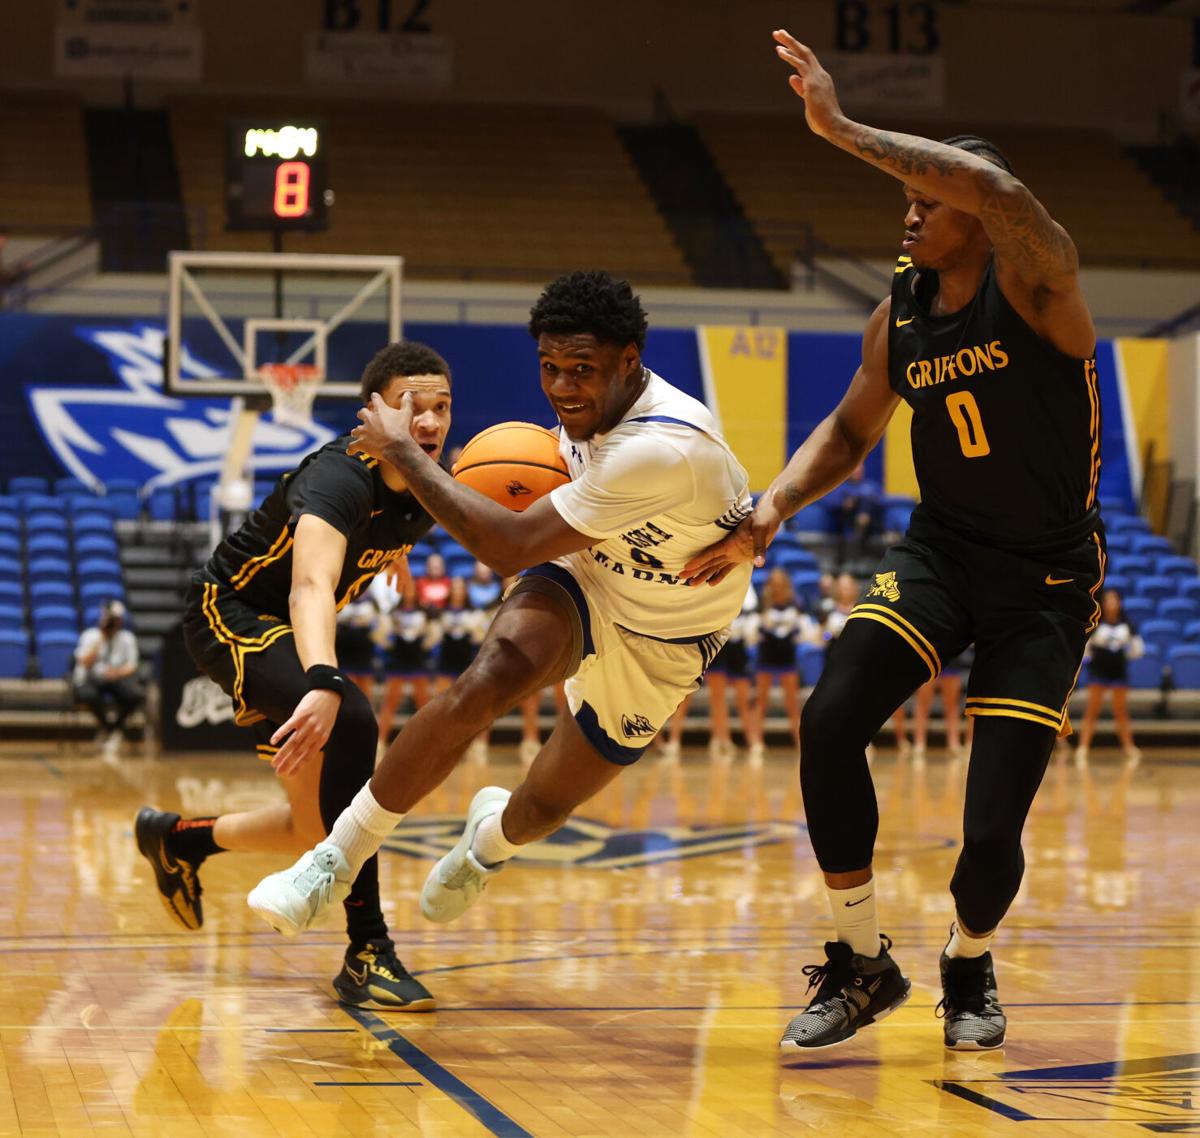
43, 167
483, 193
786, 177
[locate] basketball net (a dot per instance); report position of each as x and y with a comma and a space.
293, 389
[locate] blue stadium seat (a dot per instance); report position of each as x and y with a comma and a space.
792, 558
28, 484
10, 522
10, 568
93, 523
1139, 609
96, 545
49, 569
1189, 587
1184, 662
122, 486
45, 522
55, 652
1152, 543
51, 593
1127, 523
813, 518
12, 592
1173, 565
10, 545
127, 507
460, 565
14, 655
41, 503
1146, 671
896, 518
1119, 542
1130, 565
1163, 634
807, 583
1122, 584
416, 564
1191, 631
1182, 609
905, 501
11, 616
47, 543
163, 505
87, 507
55, 618
811, 659
1155, 587
99, 592
72, 488
758, 578
99, 569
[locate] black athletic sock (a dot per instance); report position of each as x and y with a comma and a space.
192, 840
364, 916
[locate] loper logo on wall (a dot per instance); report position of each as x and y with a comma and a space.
201, 701
138, 432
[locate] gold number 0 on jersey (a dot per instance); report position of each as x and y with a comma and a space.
964, 413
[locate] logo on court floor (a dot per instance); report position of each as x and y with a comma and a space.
1161, 1095
885, 586
136, 431
594, 845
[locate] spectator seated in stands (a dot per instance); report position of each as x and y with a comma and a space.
433, 586
105, 677
483, 589
855, 508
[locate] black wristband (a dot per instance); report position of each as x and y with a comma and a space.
325, 677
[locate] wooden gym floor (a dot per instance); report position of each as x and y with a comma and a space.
632, 980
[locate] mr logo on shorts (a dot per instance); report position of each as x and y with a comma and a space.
636, 725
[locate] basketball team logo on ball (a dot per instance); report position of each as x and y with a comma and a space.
514, 464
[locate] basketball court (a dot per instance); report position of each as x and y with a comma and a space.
633, 977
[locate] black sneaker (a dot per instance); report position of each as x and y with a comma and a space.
970, 1008
852, 992
177, 879
373, 977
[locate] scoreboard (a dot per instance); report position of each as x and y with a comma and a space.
275, 175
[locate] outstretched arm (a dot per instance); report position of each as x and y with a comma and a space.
824, 460
1035, 256
506, 541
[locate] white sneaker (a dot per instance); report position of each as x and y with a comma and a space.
1081, 756
528, 751
455, 883
1133, 756
672, 750
755, 753
300, 898
111, 748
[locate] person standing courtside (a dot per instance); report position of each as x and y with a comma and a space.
987, 337
260, 621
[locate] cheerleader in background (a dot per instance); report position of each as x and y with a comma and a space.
461, 629
407, 638
1114, 643
354, 642
782, 625
949, 684
730, 666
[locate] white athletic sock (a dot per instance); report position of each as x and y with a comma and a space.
361, 828
963, 945
854, 917
489, 845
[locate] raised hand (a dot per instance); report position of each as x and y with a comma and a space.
811, 82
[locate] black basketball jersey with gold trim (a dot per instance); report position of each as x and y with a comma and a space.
1005, 428
345, 490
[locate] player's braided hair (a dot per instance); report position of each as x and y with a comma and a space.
405, 357
590, 302
986, 150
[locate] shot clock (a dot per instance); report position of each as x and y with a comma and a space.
275, 175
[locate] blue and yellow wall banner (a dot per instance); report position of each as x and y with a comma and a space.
745, 374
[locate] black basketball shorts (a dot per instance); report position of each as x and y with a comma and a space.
1028, 615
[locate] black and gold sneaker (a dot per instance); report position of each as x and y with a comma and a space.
373, 977
177, 879
972, 1018
852, 992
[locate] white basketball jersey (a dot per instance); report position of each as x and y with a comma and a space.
658, 488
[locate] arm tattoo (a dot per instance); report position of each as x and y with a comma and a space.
1021, 230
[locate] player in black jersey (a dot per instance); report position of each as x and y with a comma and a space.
260, 621
987, 337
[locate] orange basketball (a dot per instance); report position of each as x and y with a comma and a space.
512, 463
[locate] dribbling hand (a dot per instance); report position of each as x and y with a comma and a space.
381, 425
811, 82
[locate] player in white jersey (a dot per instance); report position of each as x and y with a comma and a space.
600, 603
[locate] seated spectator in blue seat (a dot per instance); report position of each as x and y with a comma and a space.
855, 508
105, 677
483, 589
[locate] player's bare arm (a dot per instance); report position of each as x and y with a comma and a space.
317, 557
1036, 261
507, 542
823, 461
